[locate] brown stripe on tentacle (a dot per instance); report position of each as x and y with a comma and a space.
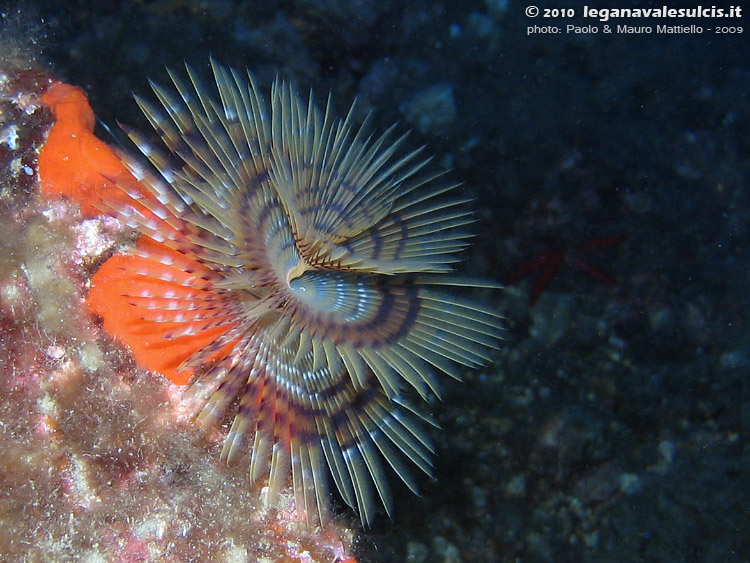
292, 418
372, 311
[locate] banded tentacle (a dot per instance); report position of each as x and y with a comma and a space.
308, 261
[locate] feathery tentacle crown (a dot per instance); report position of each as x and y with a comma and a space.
309, 260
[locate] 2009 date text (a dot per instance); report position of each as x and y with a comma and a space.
693, 29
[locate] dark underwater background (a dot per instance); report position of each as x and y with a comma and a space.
611, 175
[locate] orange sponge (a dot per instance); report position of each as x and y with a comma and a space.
129, 289
73, 163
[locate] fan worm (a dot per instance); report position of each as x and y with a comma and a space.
293, 263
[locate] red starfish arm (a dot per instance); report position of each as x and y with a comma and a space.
603, 242
595, 272
552, 264
539, 263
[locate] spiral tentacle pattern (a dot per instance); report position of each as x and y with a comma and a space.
311, 265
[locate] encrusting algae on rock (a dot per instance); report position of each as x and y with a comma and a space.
99, 460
